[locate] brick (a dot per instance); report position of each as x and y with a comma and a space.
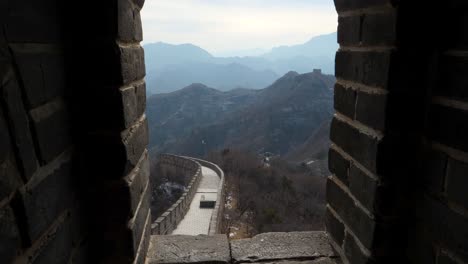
19, 127
366, 67
434, 168
368, 29
134, 102
42, 24
360, 146
338, 165
363, 187
361, 224
137, 181
379, 29
334, 227
345, 5
371, 110
58, 247
42, 202
457, 180
42, 74
353, 253
132, 61
448, 126
144, 244
129, 21
349, 30
10, 179
51, 124
137, 224
444, 226
453, 79
135, 140
345, 100
10, 240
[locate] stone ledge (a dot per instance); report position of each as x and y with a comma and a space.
267, 248
282, 246
188, 249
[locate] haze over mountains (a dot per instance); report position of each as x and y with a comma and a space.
293, 111
172, 67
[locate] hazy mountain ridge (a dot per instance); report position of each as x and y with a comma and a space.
171, 67
277, 119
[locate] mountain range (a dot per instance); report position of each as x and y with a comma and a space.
172, 67
279, 119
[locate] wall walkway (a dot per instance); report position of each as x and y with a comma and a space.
186, 217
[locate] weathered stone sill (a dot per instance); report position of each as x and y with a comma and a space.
284, 248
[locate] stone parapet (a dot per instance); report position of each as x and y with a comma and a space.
169, 220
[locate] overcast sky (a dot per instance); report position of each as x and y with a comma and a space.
222, 26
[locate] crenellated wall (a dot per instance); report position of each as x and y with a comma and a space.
169, 220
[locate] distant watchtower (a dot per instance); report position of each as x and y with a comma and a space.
317, 71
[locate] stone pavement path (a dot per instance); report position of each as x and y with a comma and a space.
197, 220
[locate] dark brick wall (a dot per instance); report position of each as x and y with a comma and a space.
399, 154
73, 134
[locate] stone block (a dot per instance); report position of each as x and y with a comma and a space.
45, 199
349, 29
144, 242
178, 249
41, 26
353, 252
10, 240
132, 60
345, 101
338, 165
134, 102
129, 20
10, 179
371, 110
379, 29
362, 147
453, 79
42, 73
448, 126
51, 122
363, 187
19, 127
335, 228
273, 246
135, 140
137, 181
367, 67
345, 5
58, 247
354, 217
457, 180
444, 226
137, 223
